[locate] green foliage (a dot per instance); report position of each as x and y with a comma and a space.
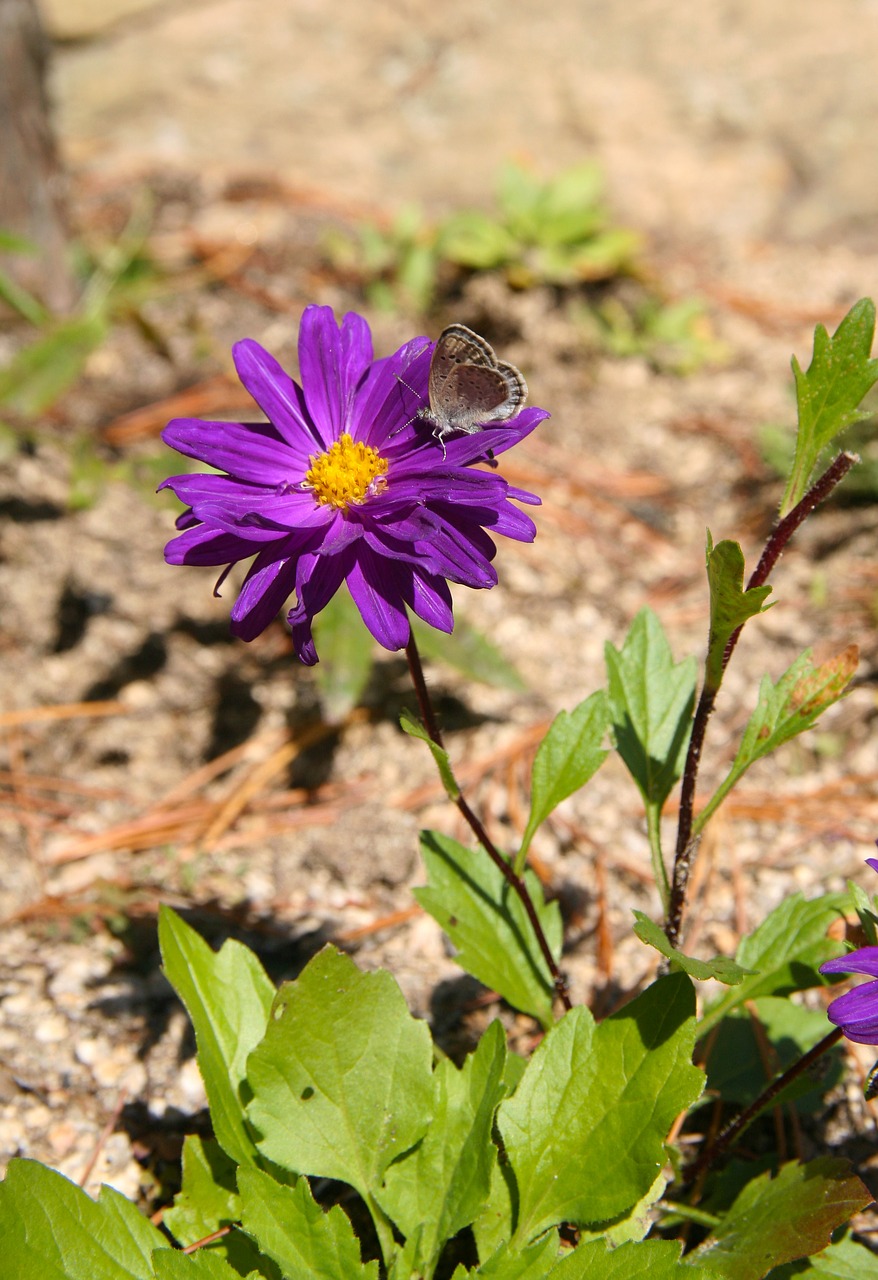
546, 232
567, 757
331, 1078
783, 711
118, 279
556, 231
585, 1130
730, 604
469, 897
720, 967
11, 292
50, 1228
651, 702
775, 1220
397, 265
829, 392
783, 952
736, 1065
228, 997
673, 336
416, 730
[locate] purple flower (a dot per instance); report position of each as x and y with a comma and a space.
856, 1012
344, 483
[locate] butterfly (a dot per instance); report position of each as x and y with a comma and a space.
469, 387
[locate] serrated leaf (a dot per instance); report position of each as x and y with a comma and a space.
784, 952
293, 1230
829, 393
585, 1131
228, 997
443, 1183
776, 1220
496, 1221
52, 1230
205, 1265
346, 656
342, 1081
469, 897
567, 757
651, 699
534, 1262
845, 1259
736, 1065
415, 729
593, 1260
208, 1201
208, 1198
783, 711
469, 653
730, 604
39, 374
719, 967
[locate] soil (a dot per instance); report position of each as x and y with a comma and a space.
151, 758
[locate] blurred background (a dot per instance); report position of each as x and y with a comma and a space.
647, 207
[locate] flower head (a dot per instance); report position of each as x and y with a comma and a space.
856, 1012
344, 484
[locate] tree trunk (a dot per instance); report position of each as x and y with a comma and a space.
31, 177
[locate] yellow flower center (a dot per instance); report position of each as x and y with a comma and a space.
347, 473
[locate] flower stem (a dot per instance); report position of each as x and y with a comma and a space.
516, 882
687, 843
736, 1127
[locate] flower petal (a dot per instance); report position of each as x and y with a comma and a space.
248, 451
279, 398
332, 363
374, 585
269, 582
864, 960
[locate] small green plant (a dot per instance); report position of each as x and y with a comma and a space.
596, 1157
555, 232
117, 280
397, 266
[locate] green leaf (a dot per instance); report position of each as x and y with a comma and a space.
719, 967
776, 1220
846, 1259
51, 1230
469, 653
342, 1081
534, 1262
208, 1198
472, 239
651, 700
228, 996
736, 1065
783, 711
41, 373
294, 1231
585, 1131
205, 1265
443, 1183
656, 1259
784, 953
208, 1201
830, 391
346, 656
472, 901
567, 757
730, 604
415, 729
